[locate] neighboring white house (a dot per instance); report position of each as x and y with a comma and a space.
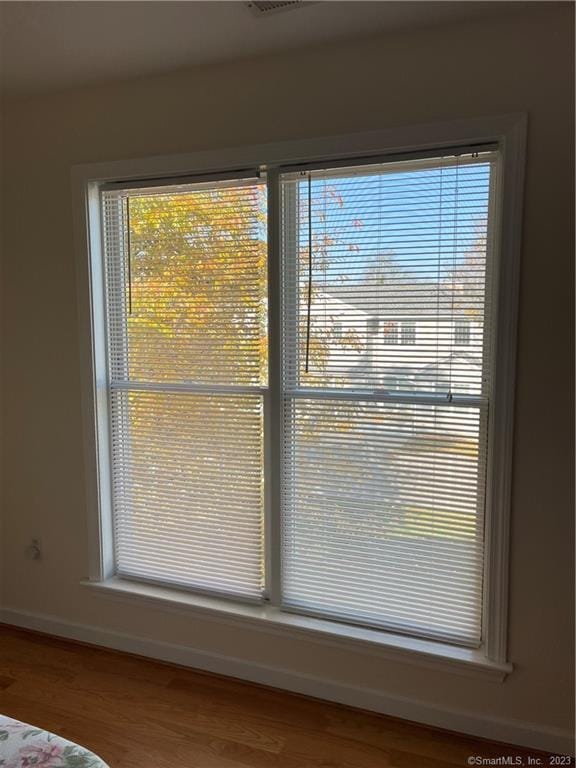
406, 340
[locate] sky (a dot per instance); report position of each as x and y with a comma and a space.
426, 219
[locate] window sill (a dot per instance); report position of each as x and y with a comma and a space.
386, 645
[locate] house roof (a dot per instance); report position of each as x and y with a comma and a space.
400, 298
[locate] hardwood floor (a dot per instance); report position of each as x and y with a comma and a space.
137, 713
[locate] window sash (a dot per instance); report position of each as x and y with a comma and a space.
284, 252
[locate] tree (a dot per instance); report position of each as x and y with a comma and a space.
465, 285
198, 286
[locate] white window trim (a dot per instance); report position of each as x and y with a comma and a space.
509, 132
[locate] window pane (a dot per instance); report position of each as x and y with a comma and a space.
381, 261
187, 273
383, 515
188, 489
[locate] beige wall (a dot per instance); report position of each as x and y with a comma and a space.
421, 76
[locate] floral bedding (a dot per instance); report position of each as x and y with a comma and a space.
25, 746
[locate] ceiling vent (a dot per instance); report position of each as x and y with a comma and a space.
267, 7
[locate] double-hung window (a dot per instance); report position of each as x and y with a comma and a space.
254, 444
382, 508
187, 358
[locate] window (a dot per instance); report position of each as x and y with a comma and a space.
372, 326
187, 359
228, 374
408, 332
390, 332
462, 332
382, 507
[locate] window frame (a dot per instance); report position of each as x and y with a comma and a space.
508, 132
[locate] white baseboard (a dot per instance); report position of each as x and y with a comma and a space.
524, 734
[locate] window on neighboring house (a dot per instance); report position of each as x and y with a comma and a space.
408, 332
373, 325
390, 332
462, 332
379, 518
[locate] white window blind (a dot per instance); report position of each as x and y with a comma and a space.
186, 316
385, 432
377, 423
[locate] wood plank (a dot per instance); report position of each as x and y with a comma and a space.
140, 713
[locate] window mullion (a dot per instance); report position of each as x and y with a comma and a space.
273, 400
